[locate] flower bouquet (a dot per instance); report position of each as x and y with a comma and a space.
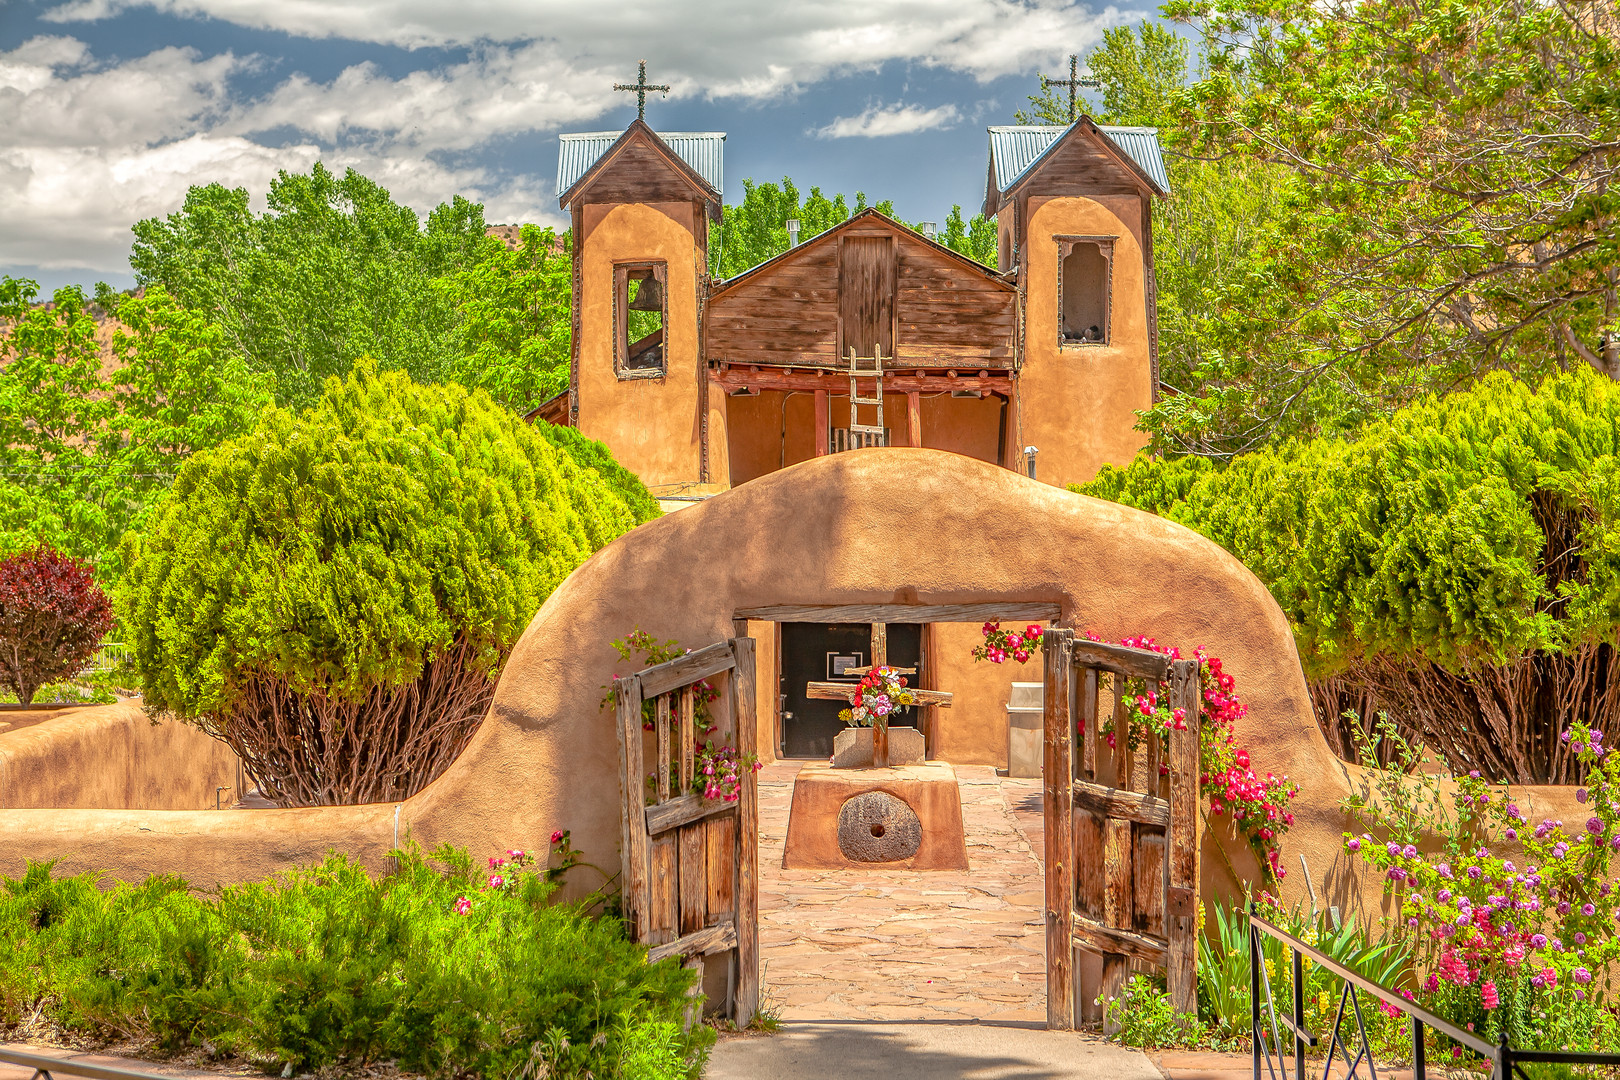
879, 695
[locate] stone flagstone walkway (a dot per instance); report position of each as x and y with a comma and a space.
895, 945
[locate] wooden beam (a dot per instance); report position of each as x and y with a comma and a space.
832, 381
1134, 663
636, 868
1181, 863
1057, 777
840, 691
711, 939
746, 1000
1110, 940
684, 809
914, 417
685, 670
822, 422
1114, 803
907, 613
880, 657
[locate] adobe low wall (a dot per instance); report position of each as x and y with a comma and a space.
876, 526
111, 757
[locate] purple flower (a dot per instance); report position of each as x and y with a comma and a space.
1443, 895
1580, 938
1473, 872
1412, 922
1395, 873
1473, 774
1559, 850
1394, 849
1596, 736
1580, 794
1409, 851
1513, 834
1615, 843
1444, 870
1514, 813
1565, 736
1353, 845
1588, 909
1539, 941
1563, 907
1581, 975
1594, 825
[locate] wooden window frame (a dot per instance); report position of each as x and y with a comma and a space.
1105, 246
621, 317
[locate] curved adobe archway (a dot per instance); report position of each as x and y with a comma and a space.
879, 526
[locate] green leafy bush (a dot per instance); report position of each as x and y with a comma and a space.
328, 966
357, 574
1457, 564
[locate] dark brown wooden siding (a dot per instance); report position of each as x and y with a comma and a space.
1081, 167
638, 173
946, 314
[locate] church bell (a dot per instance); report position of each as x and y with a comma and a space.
648, 296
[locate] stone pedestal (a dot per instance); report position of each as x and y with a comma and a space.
852, 747
906, 817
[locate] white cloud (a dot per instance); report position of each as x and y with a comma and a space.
890, 120
723, 48
89, 146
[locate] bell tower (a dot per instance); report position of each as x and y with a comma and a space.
1074, 214
641, 205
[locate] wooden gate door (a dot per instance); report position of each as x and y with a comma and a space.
1121, 826
690, 880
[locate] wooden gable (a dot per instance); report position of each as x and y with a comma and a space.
640, 168
1083, 161
809, 305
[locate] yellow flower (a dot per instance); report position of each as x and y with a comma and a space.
1322, 1001
1271, 969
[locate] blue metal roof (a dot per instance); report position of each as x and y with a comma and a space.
1014, 149
702, 150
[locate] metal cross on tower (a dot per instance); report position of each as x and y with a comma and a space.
1073, 82
641, 86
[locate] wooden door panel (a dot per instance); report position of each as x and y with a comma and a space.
866, 287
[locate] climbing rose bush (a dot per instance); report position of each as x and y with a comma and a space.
1257, 805
1503, 941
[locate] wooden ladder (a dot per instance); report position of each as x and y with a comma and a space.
875, 373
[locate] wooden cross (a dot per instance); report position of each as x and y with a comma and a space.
641, 86
1073, 82
843, 691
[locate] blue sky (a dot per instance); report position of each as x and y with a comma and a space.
109, 109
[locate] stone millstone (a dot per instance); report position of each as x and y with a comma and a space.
875, 826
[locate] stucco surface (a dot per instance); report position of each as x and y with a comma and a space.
973, 731
1077, 404
113, 757
942, 528
653, 425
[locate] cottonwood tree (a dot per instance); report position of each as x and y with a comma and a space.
1448, 206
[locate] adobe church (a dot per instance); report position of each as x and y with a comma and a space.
866, 336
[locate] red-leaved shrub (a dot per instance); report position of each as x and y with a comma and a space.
52, 616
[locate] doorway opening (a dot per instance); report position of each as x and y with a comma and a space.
828, 652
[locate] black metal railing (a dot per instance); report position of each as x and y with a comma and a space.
44, 1067
1268, 1041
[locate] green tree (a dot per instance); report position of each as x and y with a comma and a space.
756, 229
1140, 72
515, 318
356, 574
1456, 563
335, 270
1442, 175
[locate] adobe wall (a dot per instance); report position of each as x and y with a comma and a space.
945, 529
112, 756
653, 425
1078, 404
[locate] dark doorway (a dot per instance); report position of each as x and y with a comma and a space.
819, 652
